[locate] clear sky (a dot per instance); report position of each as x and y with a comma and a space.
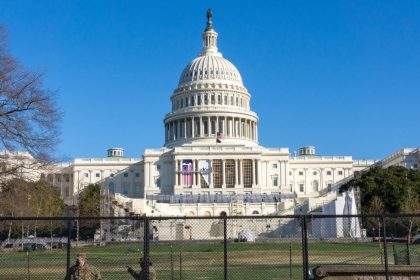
343, 76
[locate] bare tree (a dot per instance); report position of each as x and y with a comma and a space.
29, 117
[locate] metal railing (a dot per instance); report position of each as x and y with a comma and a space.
234, 247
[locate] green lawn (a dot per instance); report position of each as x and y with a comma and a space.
194, 260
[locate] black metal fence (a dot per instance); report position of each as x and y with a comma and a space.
235, 247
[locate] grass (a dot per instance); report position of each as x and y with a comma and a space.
193, 260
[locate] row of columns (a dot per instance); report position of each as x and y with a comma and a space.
209, 99
204, 126
239, 177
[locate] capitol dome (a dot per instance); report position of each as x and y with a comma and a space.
210, 68
211, 102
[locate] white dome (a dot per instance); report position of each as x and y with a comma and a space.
210, 68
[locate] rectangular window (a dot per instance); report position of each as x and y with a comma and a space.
137, 174
158, 167
125, 188
97, 175
247, 173
300, 172
328, 172
199, 100
219, 99
86, 175
213, 127
212, 100
137, 188
125, 174
301, 188
206, 99
230, 173
276, 181
226, 100
67, 178
340, 172
206, 127
217, 173
329, 187
157, 182
275, 165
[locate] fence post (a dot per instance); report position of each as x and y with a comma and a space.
385, 247
146, 246
68, 243
290, 261
304, 247
172, 263
225, 246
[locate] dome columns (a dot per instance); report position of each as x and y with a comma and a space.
184, 129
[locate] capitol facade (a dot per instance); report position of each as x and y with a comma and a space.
211, 163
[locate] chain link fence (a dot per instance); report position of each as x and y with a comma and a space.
236, 247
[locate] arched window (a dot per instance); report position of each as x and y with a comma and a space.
219, 99
190, 213
223, 214
226, 100
255, 212
207, 214
315, 186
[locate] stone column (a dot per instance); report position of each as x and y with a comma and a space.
236, 172
282, 174
255, 132
194, 174
146, 176
185, 128
253, 173
192, 127
241, 174
217, 125
201, 127
224, 173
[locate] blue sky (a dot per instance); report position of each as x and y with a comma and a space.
343, 76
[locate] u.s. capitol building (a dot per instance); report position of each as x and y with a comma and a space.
211, 163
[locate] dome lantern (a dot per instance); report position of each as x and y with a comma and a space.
209, 37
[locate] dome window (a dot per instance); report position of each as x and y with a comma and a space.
206, 100
226, 100
199, 100
212, 99
192, 101
219, 99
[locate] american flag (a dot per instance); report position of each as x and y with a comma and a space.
187, 173
219, 137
